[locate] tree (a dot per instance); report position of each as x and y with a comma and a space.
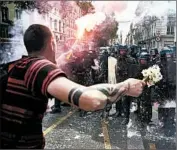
29, 5
86, 7
65, 8
106, 31
20, 4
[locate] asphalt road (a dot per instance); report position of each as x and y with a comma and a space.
68, 130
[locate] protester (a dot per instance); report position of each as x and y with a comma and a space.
35, 78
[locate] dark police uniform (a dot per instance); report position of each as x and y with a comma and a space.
166, 89
103, 62
123, 63
167, 86
144, 101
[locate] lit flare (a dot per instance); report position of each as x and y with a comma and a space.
88, 22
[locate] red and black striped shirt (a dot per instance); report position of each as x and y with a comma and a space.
26, 101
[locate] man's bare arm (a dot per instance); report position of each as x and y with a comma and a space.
87, 98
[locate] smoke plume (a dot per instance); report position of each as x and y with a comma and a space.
154, 8
123, 10
125, 18
109, 7
17, 48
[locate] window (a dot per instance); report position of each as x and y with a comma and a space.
51, 22
153, 43
63, 27
5, 14
17, 14
59, 26
55, 25
73, 24
4, 31
170, 30
56, 37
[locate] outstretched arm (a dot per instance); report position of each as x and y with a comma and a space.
88, 98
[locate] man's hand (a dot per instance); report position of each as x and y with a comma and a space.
135, 87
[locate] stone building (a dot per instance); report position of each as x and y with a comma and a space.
62, 18
130, 36
152, 31
8, 14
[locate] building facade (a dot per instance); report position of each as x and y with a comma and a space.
152, 31
8, 14
130, 36
62, 18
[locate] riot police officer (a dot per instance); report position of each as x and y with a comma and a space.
166, 88
124, 61
134, 51
154, 55
144, 102
103, 63
140, 51
167, 64
87, 76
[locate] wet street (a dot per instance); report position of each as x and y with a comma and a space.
68, 130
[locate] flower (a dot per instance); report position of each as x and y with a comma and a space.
152, 74
155, 79
145, 73
156, 67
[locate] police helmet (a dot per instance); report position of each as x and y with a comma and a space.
154, 51
123, 49
133, 50
173, 48
166, 53
144, 58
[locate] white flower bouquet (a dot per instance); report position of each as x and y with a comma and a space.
152, 75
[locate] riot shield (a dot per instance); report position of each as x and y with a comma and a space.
133, 70
171, 72
112, 62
